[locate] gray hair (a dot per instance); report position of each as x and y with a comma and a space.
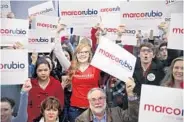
95, 89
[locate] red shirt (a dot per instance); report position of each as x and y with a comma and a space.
82, 82
37, 95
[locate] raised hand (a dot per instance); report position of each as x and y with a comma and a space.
27, 86
34, 57
130, 84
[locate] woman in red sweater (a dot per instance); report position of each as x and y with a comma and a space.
83, 77
43, 86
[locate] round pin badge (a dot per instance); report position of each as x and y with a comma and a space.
151, 77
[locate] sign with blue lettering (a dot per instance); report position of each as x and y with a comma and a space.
40, 40
13, 67
116, 61
14, 30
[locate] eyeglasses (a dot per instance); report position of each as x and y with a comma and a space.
100, 99
84, 52
146, 50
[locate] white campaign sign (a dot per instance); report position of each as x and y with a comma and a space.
40, 40
79, 14
161, 104
14, 67
5, 8
176, 32
14, 30
45, 22
46, 8
147, 14
114, 60
129, 37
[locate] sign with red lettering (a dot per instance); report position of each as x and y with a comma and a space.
45, 8
116, 61
147, 14
13, 30
164, 105
176, 32
13, 67
40, 40
45, 22
79, 14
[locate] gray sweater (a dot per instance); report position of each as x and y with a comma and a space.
22, 111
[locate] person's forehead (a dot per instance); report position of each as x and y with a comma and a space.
179, 62
96, 94
145, 47
163, 47
85, 49
5, 105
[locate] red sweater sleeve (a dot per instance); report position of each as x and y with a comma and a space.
93, 38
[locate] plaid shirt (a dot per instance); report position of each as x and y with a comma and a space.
116, 93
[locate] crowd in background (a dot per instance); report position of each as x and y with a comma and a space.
55, 93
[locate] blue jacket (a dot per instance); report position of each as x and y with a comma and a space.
22, 112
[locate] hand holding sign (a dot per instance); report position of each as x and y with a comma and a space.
27, 86
130, 84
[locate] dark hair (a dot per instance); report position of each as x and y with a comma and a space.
41, 60
162, 44
69, 52
8, 100
149, 45
51, 103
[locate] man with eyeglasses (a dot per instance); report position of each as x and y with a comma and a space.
146, 70
100, 112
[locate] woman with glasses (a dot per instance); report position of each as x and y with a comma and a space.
82, 77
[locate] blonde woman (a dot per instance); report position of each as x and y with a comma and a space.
83, 77
174, 76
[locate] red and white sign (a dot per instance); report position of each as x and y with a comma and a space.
176, 32
14, 67
116, 61
46, 8
13, 30
146, 14
41, 40
45, 22
164, 105
79, 14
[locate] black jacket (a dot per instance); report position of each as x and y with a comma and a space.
153, 77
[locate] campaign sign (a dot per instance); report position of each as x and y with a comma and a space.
161, 104
45, 22
40, 40
46, 8
13, 30
5, 8
113, 59
83, 14
129, 37
176, 32
142, 13
14, 67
